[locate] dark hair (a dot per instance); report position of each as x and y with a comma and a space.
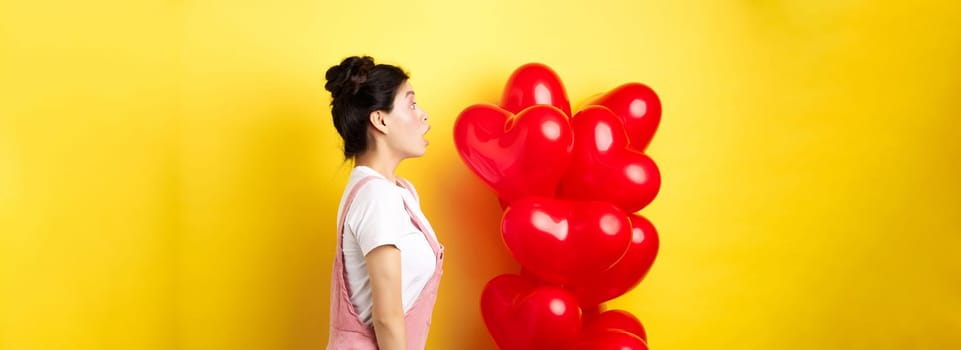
359, 87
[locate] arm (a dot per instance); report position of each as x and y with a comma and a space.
383, 266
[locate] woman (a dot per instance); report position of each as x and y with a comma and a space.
388, 260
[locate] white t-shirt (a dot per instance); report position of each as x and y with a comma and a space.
377, 217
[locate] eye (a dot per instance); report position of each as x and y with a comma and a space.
413, 105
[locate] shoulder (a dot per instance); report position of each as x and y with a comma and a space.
409, 186
376, 189
377, 213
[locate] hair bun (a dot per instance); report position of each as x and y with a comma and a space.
346, 78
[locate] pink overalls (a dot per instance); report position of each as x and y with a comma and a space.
347, 332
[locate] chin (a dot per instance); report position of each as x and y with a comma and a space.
422, 152
416, 153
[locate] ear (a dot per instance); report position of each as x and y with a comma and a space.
378, 120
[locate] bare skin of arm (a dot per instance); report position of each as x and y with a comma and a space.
383, 266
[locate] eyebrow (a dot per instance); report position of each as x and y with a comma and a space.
409, 93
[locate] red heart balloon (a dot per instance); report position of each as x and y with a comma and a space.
497, 304
604, 168
520, 315
638, 107
628, 272
517, 155
614, 319
612, 339
534, 84
559, 241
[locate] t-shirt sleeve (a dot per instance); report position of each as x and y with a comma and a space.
377, 216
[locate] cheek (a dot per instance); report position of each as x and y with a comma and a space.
410, 125
412, 122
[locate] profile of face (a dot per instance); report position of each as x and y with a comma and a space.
406, 124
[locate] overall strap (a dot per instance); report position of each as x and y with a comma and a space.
428, 233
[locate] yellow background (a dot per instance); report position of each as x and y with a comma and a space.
169, 174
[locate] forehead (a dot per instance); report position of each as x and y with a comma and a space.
405, 90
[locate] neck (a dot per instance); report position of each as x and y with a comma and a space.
380, 162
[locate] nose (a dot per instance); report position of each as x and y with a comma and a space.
425, 121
